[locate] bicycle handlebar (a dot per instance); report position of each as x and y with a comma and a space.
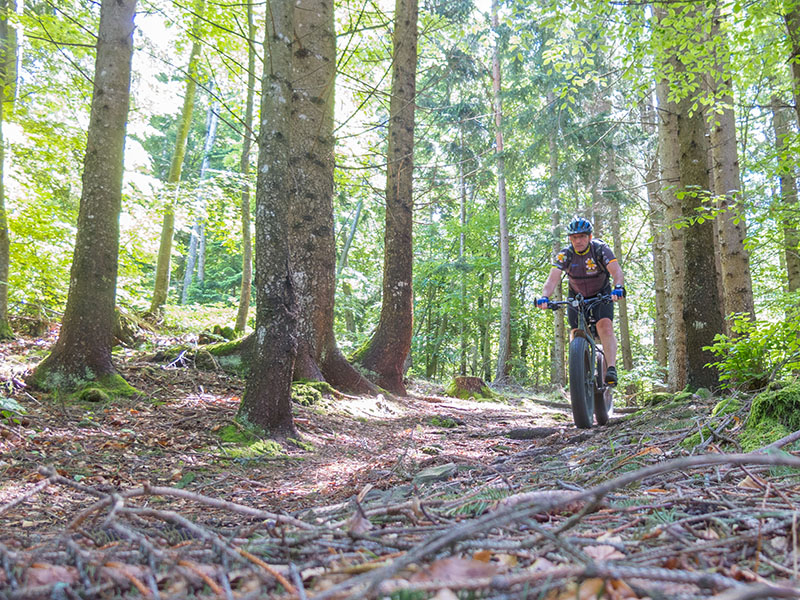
579, 302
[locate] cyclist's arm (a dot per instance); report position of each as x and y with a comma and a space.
552, 282
616, 272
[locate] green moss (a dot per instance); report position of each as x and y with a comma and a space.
457, 392
241, 443
445, 422
773, 415
305, 394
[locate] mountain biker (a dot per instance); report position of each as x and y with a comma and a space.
588, 264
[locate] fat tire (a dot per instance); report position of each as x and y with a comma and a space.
603, 394
581, 382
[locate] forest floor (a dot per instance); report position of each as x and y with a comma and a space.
423, 496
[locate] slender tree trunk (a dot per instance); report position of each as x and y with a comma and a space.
349, 239
389, 346
622, 306
311, 215
83, 350
658, 234
792, 20
8, 84
558, 369
161, 288
737, 283
670, 178
789, 200
267, 399
504, 341
244, 169
196, 252
462, 240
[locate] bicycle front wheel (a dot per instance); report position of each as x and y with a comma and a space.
581, 382
603, 394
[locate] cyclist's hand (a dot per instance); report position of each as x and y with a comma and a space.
543, 302
618, 292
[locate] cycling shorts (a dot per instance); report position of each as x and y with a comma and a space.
601, 310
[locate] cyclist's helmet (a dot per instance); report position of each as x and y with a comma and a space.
579, 225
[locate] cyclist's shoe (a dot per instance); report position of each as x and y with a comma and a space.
611, 376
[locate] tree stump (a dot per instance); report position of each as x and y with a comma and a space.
469, 387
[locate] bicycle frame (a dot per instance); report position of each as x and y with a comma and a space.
588, 391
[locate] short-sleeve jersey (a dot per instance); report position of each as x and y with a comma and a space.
587, 272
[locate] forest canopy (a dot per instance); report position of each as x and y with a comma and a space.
594, 96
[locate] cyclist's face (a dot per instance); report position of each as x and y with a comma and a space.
580, 241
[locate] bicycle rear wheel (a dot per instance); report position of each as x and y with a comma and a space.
603, 394
581, 382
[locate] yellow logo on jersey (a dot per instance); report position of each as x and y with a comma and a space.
560, 258
590, 265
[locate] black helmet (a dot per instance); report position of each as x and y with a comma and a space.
579, 225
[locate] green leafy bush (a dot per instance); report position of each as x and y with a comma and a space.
758, 351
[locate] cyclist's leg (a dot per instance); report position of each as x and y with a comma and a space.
604, 313
572, 317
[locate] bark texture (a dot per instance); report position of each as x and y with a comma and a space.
737, 284
311, 214
701, 311
670, 178
788, 182
83, 350
267, 399
386, 352
161, 287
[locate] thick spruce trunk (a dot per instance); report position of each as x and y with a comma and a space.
82, 352
386, 352
266, 403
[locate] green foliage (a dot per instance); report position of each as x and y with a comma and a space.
11, 410
758, 351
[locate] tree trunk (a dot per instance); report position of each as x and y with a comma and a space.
8, 84
504, 341
83, 350
161, 287
196, 252
701, 310
670, 177
792, 20
622, 305
267, 399
244, 169
389, 346
737, 284
311, 214
659, 234
558, 368
462, 240
789, 207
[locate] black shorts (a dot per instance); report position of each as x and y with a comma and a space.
601, 310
